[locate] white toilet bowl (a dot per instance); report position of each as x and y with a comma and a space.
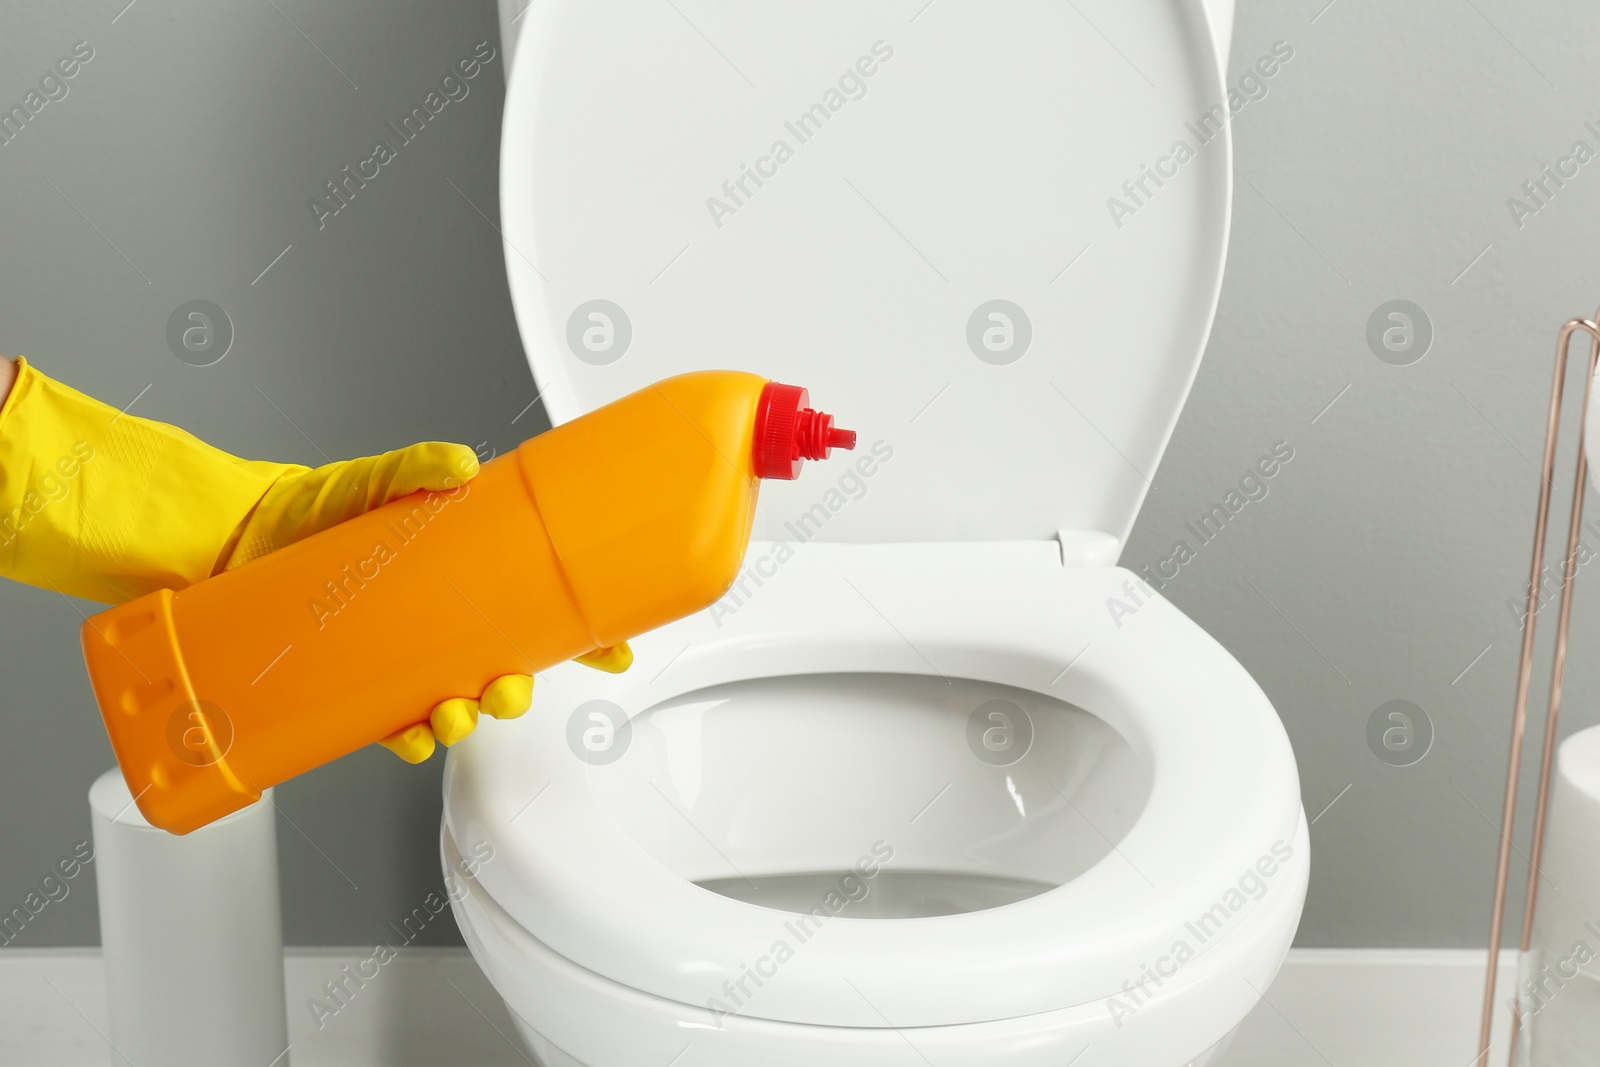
807, 745
937, 782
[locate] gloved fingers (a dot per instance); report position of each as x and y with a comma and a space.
454, 719
343, 490
414, 744
302, 502
433, 465
508, 696
613, 660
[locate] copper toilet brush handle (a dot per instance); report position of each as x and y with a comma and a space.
1519, 715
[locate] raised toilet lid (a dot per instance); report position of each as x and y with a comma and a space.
988, 235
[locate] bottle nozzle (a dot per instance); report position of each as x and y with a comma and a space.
789, 432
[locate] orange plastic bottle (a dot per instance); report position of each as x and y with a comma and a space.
594, 532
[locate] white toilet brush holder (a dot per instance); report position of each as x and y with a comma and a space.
1559, 991
192, 936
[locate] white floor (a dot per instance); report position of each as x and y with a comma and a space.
427, 1007
1329, 1008
1373, 1008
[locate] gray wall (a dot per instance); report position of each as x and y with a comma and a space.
1378, 566
193, 141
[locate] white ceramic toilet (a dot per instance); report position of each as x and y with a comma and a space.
938, 782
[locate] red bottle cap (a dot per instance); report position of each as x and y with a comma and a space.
788, 432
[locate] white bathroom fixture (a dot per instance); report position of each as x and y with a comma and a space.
937, 781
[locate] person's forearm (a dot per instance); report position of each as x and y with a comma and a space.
8, 374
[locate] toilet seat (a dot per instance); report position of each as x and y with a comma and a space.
564, 1010
1224, 792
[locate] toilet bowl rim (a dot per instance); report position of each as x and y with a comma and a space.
596, 896
483, 920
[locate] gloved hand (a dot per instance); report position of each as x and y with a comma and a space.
507, 697
108, 506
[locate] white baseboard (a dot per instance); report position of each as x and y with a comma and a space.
1356, 1007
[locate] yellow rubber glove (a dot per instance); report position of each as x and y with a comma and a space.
506, 698
107, 506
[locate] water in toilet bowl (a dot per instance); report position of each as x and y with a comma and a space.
889, 895
874, 796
